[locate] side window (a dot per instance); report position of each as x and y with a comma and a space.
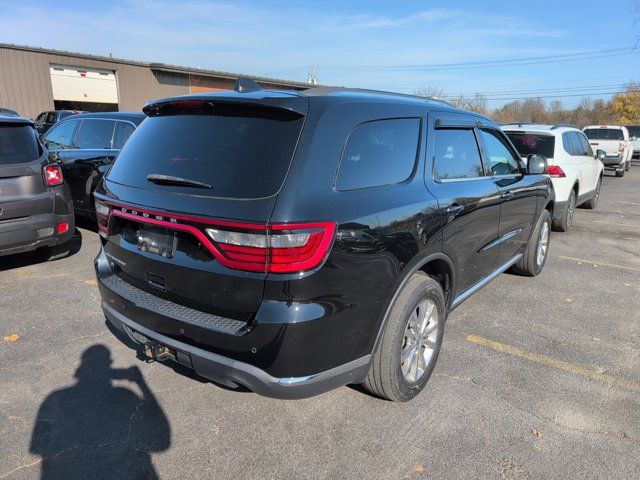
578, 148
40, 118
567, 143
95, 134
60, 136
501, 160
588, 148
123, 131
377, 153
456, 155
51, 117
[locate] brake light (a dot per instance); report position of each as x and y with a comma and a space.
621, 147
53, 174
279, 248
102, 214
554, 171
63, 227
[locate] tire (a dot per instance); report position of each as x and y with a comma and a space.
563, 224
529, 265
386, 378
620, 173
57, 251
627, 166
593, 201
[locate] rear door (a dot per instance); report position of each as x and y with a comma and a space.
22, 189
587, 163
468, 199
518, 195
186, 177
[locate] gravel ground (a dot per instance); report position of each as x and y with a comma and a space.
538, 378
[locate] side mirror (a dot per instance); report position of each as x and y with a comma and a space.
601, 154
536, 164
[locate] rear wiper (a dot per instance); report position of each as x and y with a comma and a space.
171, 180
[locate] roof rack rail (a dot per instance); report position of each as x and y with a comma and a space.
9, 111
245, 85
321, 91
560, 125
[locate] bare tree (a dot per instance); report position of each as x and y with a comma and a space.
429, 92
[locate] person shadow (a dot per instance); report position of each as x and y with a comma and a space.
95, 429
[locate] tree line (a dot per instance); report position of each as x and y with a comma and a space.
623, 108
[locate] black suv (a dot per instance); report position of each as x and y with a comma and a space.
35, 203
85, 145
294, 242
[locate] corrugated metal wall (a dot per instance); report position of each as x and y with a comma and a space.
25, 84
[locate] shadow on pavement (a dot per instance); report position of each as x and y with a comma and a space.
40, 255
95, 429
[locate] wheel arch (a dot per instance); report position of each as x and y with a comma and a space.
437, 266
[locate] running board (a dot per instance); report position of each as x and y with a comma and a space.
471, 290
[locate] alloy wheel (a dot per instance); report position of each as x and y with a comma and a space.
420, 340
543, 244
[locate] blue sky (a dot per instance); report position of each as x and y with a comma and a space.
281, 39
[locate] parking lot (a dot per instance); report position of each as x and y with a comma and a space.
538, 378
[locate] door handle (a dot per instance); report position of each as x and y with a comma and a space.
454, 209
506, 195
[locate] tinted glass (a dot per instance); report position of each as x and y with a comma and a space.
242, 156
18, 144
379, 153
40, 118
61, 136
501, 160
586, 147
533, 144
604, 134
123, 131
578, 148
456, 155
51, 117
95, 134
567, 144
63, 115
634, 131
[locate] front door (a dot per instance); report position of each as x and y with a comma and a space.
518, 193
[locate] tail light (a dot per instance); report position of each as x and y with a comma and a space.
276, 248
53, 175
621, 147
270, 248
102, 214
554, 171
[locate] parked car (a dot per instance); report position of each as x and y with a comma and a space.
294, 242
35, 204
46, 120
576, 173
85, 145
634, 136
614, 140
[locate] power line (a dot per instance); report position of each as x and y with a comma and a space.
598, 94
534, 91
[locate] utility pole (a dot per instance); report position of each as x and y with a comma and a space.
312, 76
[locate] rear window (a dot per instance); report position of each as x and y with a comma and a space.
18, 144
242, 154
634, 131
604, 134
533, 144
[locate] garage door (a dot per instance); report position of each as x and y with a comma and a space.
79, 84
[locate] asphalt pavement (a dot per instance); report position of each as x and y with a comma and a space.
537, 378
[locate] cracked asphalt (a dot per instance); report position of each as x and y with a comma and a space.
538, 378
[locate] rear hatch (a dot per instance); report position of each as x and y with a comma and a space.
22, 189
533, 143
195, 170
611, 140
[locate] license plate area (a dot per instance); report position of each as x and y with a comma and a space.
158, 241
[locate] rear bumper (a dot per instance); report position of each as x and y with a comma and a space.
232, 373
614, 161
275, 357
27, 234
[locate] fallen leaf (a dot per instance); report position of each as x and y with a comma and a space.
26, 273
536, 432
568, 300
90, 282
625, 435
536, 325
627, 284
11, 338
485, 443
418, 468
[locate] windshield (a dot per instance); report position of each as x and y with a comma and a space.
18, 144
239, 154
533, 143
604, 134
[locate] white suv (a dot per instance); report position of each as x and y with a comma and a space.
575, 172
615, 141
